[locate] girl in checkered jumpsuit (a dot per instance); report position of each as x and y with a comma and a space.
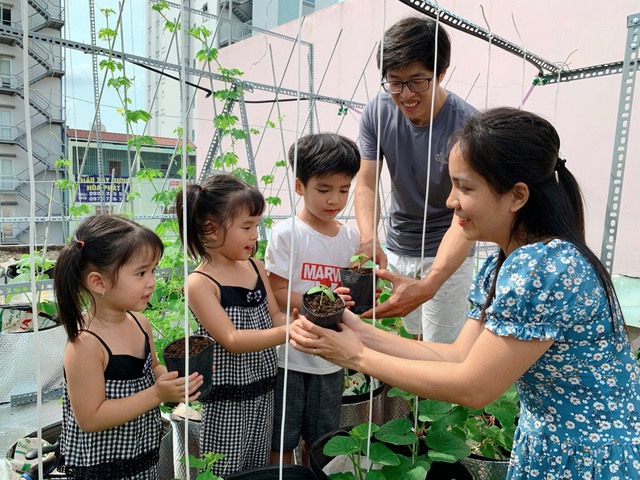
111, 424
230, 296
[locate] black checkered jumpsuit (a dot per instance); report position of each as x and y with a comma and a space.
128, 451
237, 417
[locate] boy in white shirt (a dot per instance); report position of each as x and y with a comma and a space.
326, 166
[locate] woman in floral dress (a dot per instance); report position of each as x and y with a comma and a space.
543, 313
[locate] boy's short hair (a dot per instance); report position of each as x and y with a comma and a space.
412, 39
324, 154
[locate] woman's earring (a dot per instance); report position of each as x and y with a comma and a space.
103, 294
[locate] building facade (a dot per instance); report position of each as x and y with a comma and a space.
45, 110
120, 190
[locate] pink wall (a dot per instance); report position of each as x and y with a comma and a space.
586, 111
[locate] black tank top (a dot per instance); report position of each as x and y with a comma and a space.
124, 367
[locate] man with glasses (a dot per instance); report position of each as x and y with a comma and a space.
416, 116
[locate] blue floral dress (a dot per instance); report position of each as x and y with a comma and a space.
580, 402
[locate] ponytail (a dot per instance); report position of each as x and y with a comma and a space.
196, 246
212, 207
69, 288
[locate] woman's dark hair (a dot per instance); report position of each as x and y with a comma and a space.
413, 39
506, 146
102, 243
213, 206
324, 154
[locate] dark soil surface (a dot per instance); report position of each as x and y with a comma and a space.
361, 270
321, 305
196, 345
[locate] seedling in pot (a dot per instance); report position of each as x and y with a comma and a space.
324, 291
362, 261
322, 306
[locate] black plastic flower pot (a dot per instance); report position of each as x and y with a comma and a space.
360, 286
272, 472
326, 321
200, 359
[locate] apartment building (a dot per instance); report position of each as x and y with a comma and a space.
45, 111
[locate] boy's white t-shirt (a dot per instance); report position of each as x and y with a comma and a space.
316, 258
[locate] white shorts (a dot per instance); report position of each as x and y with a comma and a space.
441, 318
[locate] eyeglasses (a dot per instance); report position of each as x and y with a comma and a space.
415, 85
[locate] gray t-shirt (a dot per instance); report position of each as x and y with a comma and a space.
405, 146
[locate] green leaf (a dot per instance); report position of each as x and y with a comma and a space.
63, 163
322, 289
380, 454
446, 447
80, 210
206, 476
148, 174
133, 195
245, 175
194, 462
397, 432
281, 163
107, 33
238, 134
340, 445
431, 410
275, 201
230, 159
48, 307
342, 476
375, 475
65, 184
361, 432
134, 116
159, 6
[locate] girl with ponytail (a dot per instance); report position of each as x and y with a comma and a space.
111, 425
232, 300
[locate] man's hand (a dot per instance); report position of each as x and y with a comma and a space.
367, 249
408, 294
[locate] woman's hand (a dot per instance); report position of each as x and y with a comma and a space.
408, 294
342, 348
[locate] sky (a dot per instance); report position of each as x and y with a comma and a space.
79, 73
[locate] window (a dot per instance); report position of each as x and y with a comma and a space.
7, 228
205, 7
115, 168
6, 16
6, 173
5, 72
5, 124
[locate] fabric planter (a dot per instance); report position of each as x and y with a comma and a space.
328, 321
483, 468
201, 362
361, 288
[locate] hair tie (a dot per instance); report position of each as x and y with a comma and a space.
81, 243
560, 162
201, 189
